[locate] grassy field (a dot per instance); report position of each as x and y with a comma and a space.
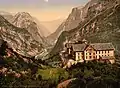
54, 74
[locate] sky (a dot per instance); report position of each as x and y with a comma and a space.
44, 10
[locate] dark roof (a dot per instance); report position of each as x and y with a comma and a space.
79, 47
96, 46
102, 46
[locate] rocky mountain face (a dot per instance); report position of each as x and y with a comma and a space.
73, 20
26, 21
25, 41
97, 21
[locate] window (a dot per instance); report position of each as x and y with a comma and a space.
105, 51
108, 51
86, 57
89, 53
78, 53
96, 52
102, 51
90, 57
99, 52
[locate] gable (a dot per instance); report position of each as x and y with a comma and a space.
90, 48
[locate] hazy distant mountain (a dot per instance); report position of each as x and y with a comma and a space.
52, 25
52, 38
43, 30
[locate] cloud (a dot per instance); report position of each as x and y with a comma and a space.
46, 0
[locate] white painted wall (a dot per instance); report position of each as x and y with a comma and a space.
79, 56
105, 53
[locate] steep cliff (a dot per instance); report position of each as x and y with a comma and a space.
100, 22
